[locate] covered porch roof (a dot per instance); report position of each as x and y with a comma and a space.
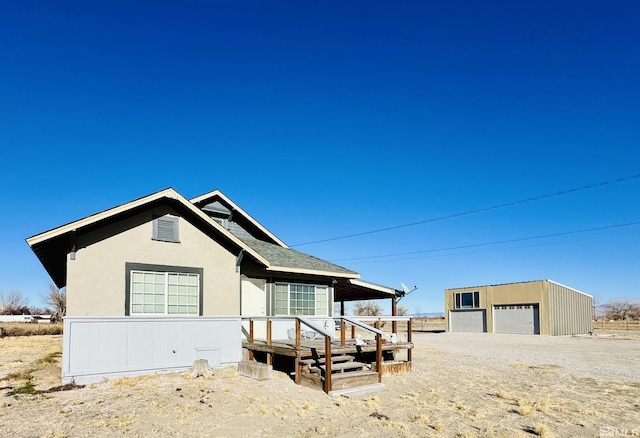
357, 290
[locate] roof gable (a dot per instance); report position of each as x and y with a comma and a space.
52, 246
216, 202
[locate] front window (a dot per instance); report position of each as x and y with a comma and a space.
164, 293
467, 300
301, 299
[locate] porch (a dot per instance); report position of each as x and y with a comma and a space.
353, 356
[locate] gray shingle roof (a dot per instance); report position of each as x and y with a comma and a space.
290, 258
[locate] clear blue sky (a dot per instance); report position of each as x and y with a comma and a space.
323, 119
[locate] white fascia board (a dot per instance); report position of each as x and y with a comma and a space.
313, 272
570, 288
218, 193
167, 193
379, 288
38, 238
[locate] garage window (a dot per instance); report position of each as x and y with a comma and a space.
467, 300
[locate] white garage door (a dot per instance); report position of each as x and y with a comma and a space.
467, 321
520, 319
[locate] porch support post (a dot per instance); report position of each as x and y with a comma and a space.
297, 359
269, 355
379, 356
342, 333
251, 338
409, 339
341, 308
394, 312
327, 364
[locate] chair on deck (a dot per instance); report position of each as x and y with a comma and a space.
304, 334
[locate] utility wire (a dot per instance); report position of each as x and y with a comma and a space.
471, 251
521, 239
479, 210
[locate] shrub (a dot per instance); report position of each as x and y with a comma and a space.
29, 329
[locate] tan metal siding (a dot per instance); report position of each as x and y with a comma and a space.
570, 311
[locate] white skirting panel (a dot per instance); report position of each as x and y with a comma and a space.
108, 347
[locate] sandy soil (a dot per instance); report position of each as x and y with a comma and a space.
462, 385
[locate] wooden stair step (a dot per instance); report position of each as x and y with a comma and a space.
334, 359
353, 374
342, 366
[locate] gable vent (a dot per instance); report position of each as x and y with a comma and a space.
165, 228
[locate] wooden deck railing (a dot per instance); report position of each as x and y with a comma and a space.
298, 321
354, 322
378, 322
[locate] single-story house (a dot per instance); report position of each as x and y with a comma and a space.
533, 307
160, 281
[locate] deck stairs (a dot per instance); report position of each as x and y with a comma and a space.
347, 375
339, 362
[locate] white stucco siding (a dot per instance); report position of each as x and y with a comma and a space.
96, 278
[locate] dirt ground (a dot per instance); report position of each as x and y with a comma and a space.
462, 385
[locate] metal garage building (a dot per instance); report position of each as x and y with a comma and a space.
533, 307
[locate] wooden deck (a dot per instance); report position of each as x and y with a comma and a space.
347, 361
313, 347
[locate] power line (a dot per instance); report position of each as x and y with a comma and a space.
472, 251
521, 239
479, 210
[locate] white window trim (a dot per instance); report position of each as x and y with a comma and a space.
166, 295
328, 304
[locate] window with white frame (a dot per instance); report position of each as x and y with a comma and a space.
164, 293
301, 299
467, 300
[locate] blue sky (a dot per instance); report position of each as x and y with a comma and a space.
324, 119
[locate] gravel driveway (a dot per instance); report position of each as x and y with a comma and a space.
606, 355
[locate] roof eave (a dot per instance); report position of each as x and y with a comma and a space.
349, 275
388, 290
72, 226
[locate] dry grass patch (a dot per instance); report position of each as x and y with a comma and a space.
506, 395
340, 401
372, 402
29, 329
590, 412
525, 408
541, 430
547, 404
26, 375
459, 406
396, 425
425, 420
314, 431
132, 382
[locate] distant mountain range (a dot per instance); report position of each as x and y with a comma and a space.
428, 315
